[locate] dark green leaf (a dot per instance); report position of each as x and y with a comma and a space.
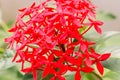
28, 77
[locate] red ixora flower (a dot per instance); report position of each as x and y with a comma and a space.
48, 37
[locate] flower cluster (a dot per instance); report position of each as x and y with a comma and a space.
50, 37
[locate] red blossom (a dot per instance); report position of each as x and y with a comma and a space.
48, 38
96, 25
98, 58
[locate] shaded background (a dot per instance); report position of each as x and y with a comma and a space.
10, 8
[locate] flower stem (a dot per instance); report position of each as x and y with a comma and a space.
86, 30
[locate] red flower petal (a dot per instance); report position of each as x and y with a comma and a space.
62, 20
88, 62
46, 71
96, 25
105, 56
77, 75
87, 69
61, 78
83, 47
34, 75
77, 22
57, 53
98, 29
53, 78
21, 10
71, 68
26, 70
100, 67
51, 58
73, 61
62, 69
13, 29
32, 5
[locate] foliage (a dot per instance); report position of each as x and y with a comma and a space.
102, 15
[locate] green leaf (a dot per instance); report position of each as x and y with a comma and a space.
101, 15
108, 35
10, 74
91, 76
113, 64
82, 29
110, 42
110, 75
6, 59
28, 77
107, 39
2, 36
69, 76
10, 23
85, 76
93, 36
2, 50
6, 63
